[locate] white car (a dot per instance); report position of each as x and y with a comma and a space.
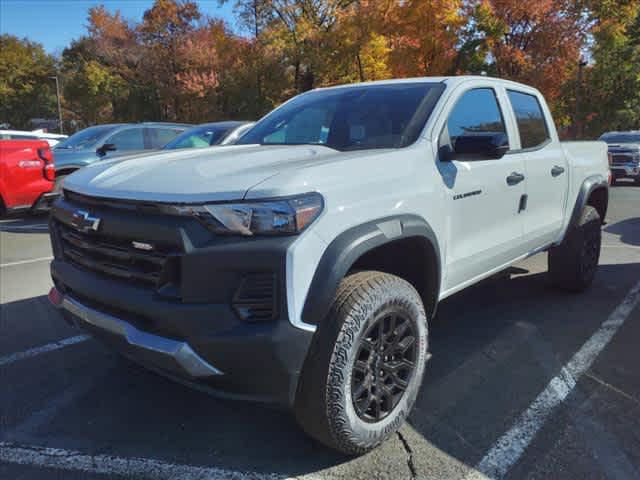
302, 265
51, 138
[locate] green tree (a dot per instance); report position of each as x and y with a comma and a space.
26, 88
612, 81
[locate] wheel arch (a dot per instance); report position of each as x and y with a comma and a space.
375, 245
594, 191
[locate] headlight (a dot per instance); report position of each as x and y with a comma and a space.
283, 216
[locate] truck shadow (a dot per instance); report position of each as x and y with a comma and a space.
25, 224
628, 230
483, 372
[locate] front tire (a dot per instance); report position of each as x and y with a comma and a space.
573, 263
365, 366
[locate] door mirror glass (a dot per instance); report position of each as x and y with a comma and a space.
481, 144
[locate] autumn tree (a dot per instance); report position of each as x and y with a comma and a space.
612, 80
26, 88
423, 34
533, 42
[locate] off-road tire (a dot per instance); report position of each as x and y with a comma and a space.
573, 263
324, 406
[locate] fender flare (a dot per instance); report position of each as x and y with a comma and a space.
590, 185
349, 246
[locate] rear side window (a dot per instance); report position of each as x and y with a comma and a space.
476, 111
530, 119
159, 137
130, 139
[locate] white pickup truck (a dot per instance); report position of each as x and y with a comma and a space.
302, 267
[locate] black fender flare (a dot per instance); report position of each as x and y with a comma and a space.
349, 246
590, 185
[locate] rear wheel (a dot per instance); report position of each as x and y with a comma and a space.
573, 263
365, 366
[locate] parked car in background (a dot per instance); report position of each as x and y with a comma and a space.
624, 154
27, 175
106, 141
51, 138
302, 265
208, 134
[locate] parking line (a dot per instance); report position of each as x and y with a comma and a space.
508, 449
24, 262
126, 467
49, 347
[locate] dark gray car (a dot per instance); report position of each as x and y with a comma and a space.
106, 141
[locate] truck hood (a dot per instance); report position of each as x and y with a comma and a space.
196, 175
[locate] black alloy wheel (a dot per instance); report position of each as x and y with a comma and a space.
384, 365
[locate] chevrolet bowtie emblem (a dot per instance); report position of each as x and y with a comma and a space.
84, 222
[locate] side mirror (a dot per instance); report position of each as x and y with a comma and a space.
482, 144
107, 147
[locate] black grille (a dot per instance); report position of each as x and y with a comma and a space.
114, 257
621, 159
255, 299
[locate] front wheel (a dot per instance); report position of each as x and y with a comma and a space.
366, 363
573, 263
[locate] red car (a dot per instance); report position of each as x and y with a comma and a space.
27, 175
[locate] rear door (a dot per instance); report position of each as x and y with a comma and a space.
484, 225
545, 167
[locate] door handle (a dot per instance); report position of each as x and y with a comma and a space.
556, 170
515, 178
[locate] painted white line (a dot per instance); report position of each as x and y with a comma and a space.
24, 262
49, 347
126, 467
505, 452
620, 246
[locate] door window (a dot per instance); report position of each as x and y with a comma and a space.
130, 139
159, 137
476, 111
530, 119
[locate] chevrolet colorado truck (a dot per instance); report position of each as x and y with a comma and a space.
301, 266
26, 175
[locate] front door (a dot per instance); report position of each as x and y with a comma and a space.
484, 195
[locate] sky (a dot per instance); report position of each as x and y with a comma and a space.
54, 23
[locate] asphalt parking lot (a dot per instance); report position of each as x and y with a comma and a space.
525, 382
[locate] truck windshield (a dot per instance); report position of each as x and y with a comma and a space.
86, 138
350, 118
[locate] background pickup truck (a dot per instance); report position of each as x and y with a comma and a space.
624, 153
302, 265
27, 175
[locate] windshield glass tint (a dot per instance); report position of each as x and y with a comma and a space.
353, 118
86, 138
197, 138
621, 138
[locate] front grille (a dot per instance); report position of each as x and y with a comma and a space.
114, 257
255, 299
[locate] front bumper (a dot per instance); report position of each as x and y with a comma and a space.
192, 326
175, 355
